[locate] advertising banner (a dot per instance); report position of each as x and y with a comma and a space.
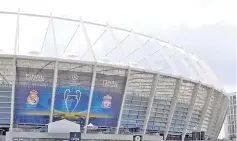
106, 101
32, 104
33, 94
72, 96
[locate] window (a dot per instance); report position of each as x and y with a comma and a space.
233, 128
228, 129
234, 99
235, 110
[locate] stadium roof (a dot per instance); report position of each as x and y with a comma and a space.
78, 40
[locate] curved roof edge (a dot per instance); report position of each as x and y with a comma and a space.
113, 66
196, 67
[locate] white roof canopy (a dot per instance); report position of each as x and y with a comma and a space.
75, 39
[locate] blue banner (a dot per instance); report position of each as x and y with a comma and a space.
33, 93
105, 108
71, 104
32, 104
107, 99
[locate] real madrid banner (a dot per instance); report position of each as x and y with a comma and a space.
33, 94
107, 98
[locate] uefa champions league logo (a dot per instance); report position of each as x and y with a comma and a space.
71, 100
74, 77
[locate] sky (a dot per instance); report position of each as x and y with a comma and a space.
205, 27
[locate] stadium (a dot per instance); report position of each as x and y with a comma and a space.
117, 80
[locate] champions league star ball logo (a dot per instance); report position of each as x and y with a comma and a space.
33, 98
106, 103
71, 100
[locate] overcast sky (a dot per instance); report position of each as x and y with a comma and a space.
206, 27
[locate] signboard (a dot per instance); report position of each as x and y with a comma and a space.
75, 136
33, 93
72, 96
71, 104
107, 99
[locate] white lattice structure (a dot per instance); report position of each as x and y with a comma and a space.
167, 89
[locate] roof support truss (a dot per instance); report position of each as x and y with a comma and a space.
87, 39
71, 39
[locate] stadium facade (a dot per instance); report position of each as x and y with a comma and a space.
54, 68
230, 121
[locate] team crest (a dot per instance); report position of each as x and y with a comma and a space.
106, 103
33, 98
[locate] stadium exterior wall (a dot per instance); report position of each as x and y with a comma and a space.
174, 105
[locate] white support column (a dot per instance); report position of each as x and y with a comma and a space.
173, 106
205, 108
213, 115
220, 111
123, 101
223, 117
13, 94
14, 72
55, 77
150, 102
90, 97
87, 39
222, 114
190, 109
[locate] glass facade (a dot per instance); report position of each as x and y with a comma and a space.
136, 100
231, 124
6, 78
